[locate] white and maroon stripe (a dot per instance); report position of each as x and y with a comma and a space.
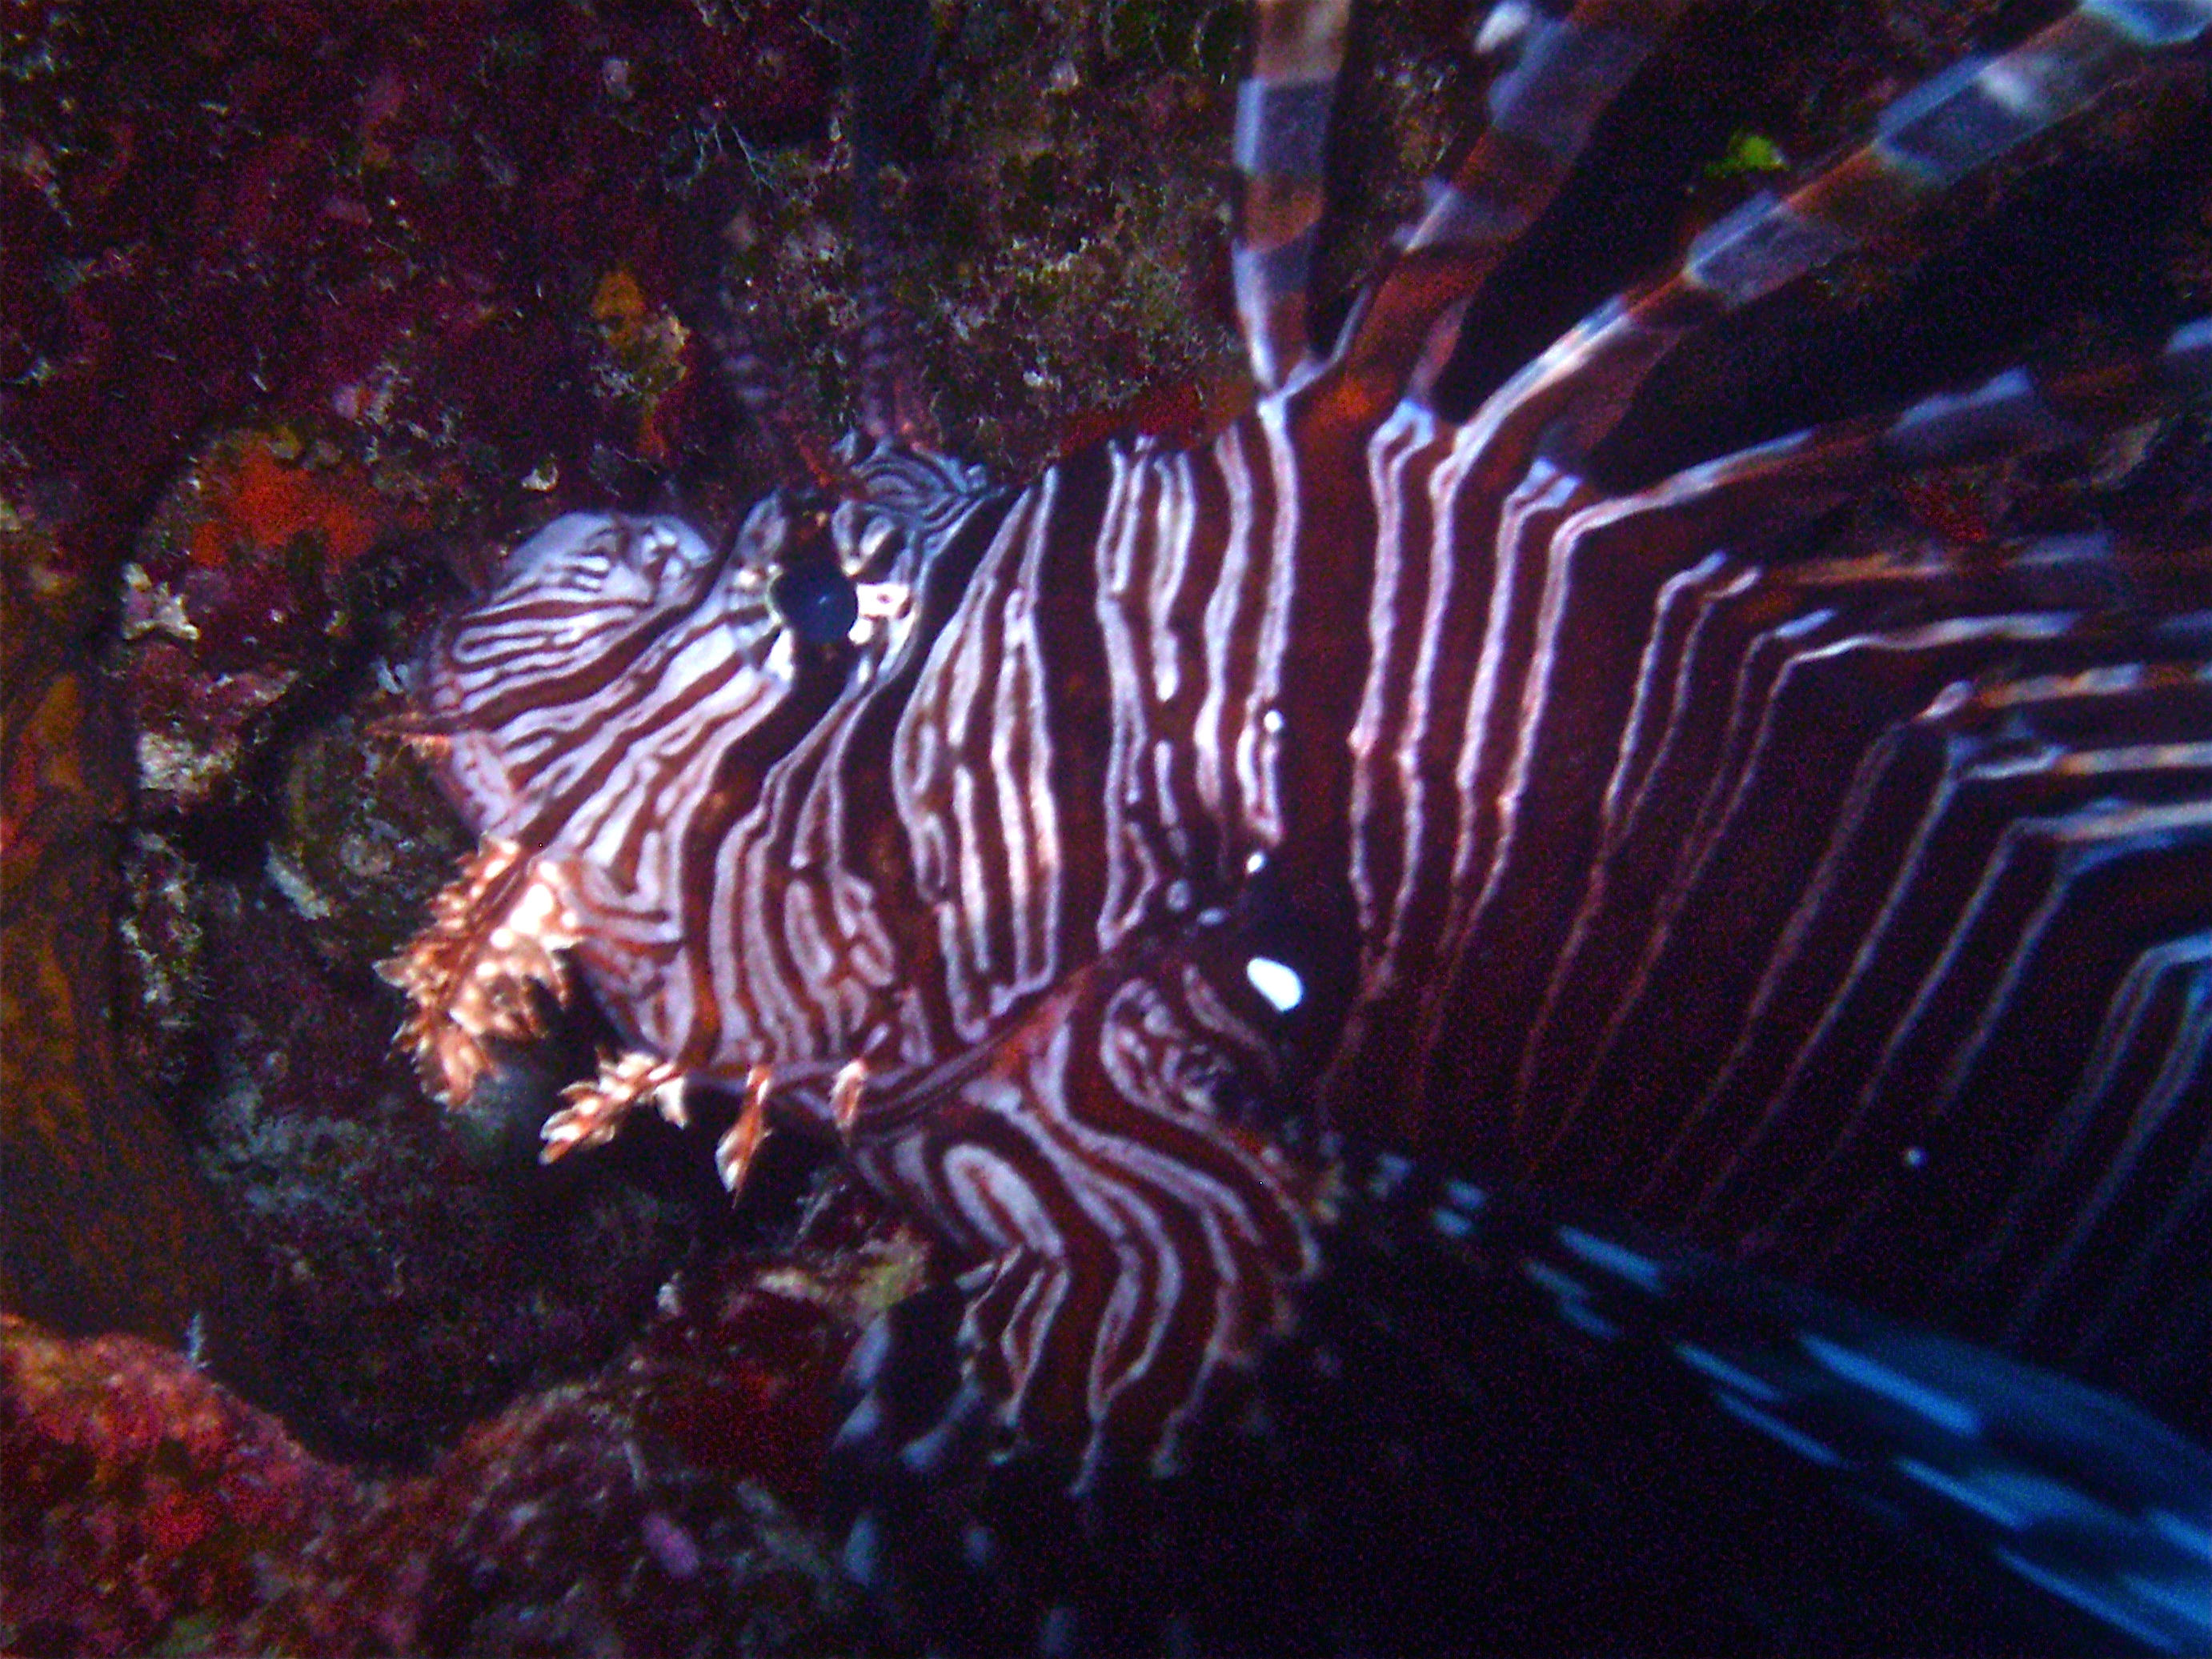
1621, 875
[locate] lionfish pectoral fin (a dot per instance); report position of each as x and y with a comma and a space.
1131, 1253
906, 1473
1994, 1503
957, 1503
481, 974
1134, 1245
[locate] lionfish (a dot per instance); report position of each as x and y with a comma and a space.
1157, 876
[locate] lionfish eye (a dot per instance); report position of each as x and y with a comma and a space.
815, 598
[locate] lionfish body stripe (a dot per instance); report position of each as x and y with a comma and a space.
1843, 905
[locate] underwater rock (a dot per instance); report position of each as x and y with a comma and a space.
363, 834
415, 1268
159, 1008
241, 589
147, 1507
105, 1225
557, 1527
143, 1500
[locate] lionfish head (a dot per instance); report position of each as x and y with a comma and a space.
599, 621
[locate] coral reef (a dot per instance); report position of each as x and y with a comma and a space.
240, 591
659, 1508
555, 1528
140, 1493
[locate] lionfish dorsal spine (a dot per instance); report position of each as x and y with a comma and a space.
1280, 148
